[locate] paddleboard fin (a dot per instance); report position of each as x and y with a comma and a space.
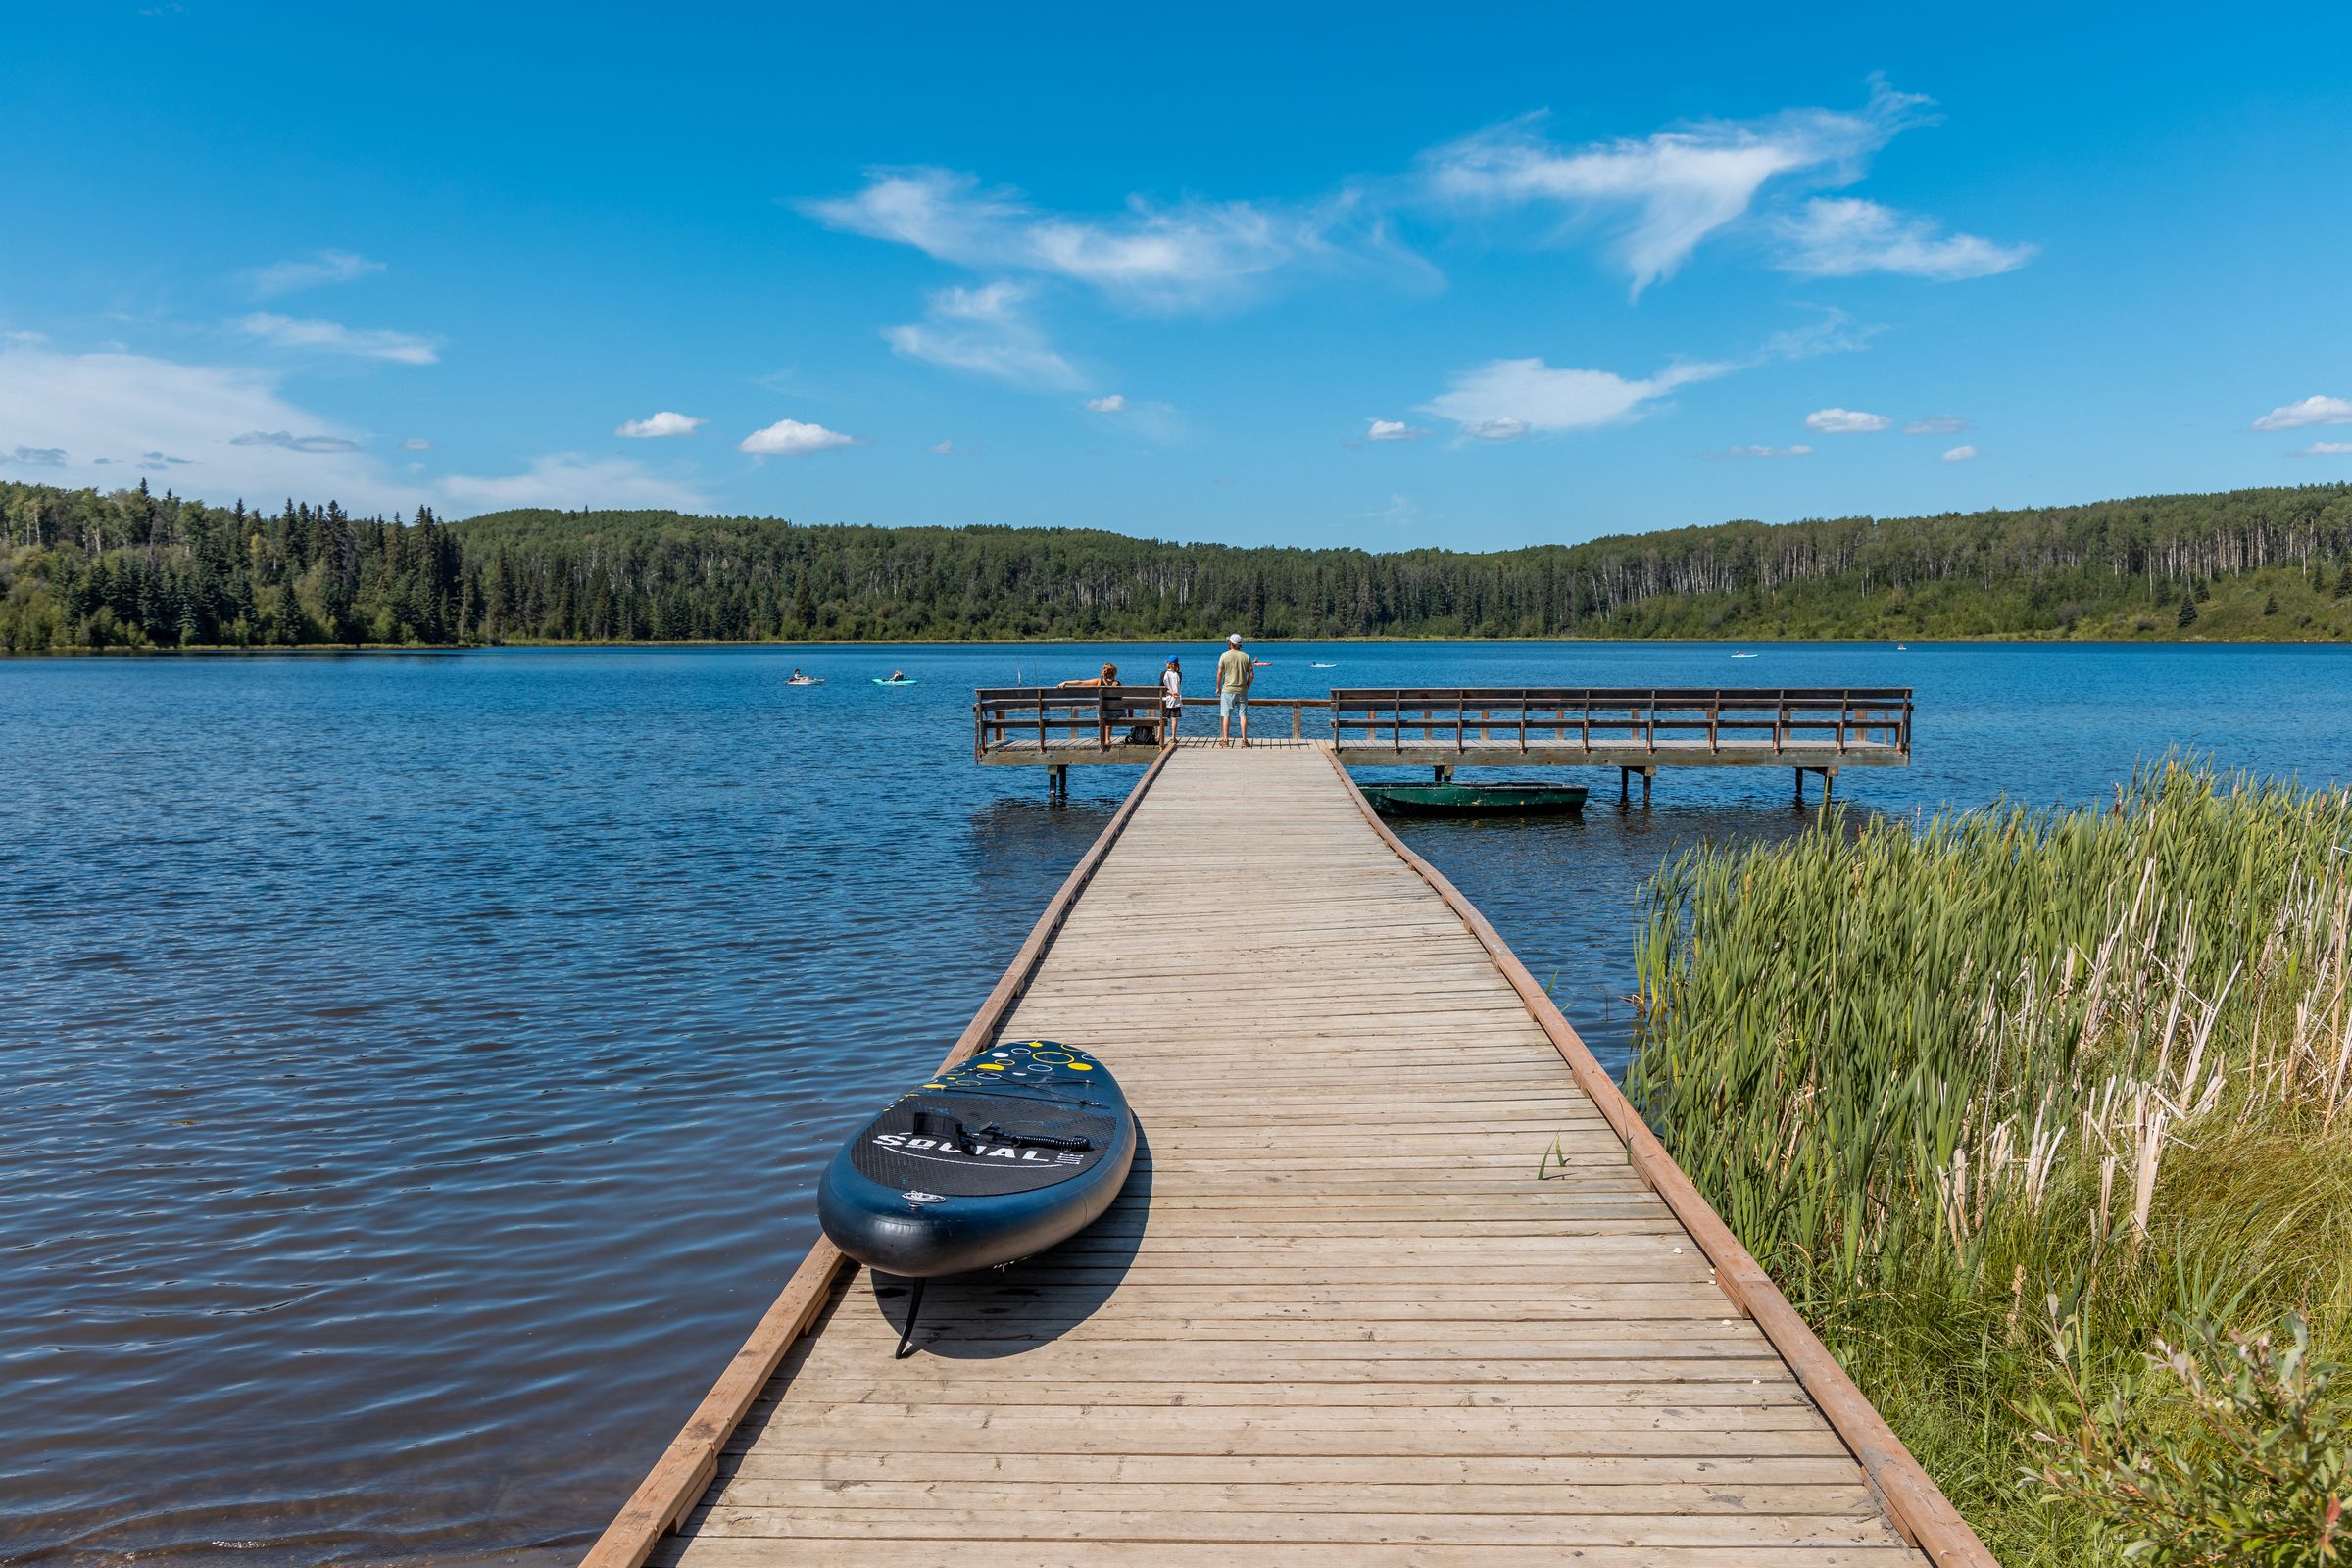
914, 1306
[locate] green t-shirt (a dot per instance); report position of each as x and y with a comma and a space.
1235, 670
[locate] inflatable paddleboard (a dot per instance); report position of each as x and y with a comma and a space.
1004, 1156
879, 681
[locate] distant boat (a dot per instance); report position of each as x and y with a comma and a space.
879, 681
1744, 656
1902, 648
1512, 797
1322, 666
805, 680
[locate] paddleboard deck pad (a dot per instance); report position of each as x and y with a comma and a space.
1005, 1155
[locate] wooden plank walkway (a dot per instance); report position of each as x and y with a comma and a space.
1337, 1317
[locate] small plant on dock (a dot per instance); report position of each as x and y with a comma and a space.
1938, 1074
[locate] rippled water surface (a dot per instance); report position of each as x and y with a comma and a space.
414, 1069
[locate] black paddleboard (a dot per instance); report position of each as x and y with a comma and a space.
1001, 1156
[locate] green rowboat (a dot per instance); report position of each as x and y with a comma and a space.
1508, 797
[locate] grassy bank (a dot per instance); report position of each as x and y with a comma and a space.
2031, 1112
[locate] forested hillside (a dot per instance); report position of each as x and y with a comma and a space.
130, 569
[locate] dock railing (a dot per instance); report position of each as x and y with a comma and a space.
1767, 720
1041, 717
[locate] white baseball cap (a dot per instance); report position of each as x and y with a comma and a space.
1235, 638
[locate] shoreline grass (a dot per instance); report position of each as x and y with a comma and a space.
2013, 1104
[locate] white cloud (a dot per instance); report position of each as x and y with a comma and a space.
416, 443
2325, 449
790, 438
1392, 430
1845, 421
2313, 409
661, 424
312, 271
1960, 455
332, 337
1936, 424
942, 449
1183, 257
84, 417
1662, 195
1506, 399
1799, 451
1115, 403
1501, 427
1845, 236
985, 331
569, 479
292, 442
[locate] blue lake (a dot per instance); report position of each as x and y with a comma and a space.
414, 1068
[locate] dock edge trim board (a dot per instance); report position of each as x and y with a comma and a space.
1913, 1502
684, 1472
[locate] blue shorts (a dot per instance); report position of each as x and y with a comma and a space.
1227, 701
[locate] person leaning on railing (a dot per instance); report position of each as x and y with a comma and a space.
1108, 677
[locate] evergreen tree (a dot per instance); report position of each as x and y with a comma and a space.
2189, 612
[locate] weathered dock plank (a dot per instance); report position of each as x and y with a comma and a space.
1385, 1287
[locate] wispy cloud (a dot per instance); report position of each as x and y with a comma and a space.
1845, 236
790, 438
2318, 449
1112, 402
292, 442
315, 270
1183, 256
2314, 410
88, 417
416, 443
1960, 455
985, 332
1799, 451
572, 479
1392, 430
332, 337
654, 427
1656, 198
1846, 421
1936, 424
1503, 399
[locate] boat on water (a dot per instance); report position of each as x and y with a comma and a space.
1322, 666
879, 681
1504, 798
805, 680
1744, 656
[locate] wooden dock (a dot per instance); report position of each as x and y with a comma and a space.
1399, 1280
1816, 729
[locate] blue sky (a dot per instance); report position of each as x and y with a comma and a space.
1378, 276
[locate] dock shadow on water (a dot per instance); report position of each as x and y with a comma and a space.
999, 1312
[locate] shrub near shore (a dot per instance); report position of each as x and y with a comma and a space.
2044, 1118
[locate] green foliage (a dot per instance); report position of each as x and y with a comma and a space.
83, 569
2245, 1461
2189, 612
1934, 1073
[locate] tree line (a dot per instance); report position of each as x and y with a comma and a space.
130, 569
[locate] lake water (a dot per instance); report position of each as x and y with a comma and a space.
414, 1069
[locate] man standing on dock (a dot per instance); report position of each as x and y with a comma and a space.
1235, 671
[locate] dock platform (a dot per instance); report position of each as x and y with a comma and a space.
1399, 1280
